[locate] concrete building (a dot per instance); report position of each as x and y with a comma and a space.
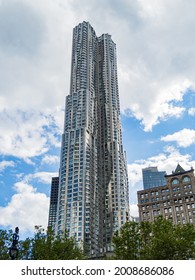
93, 200
175, 200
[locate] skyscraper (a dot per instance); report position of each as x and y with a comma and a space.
153, 178
53, 202
93, 200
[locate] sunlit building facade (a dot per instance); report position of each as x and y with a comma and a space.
93, 200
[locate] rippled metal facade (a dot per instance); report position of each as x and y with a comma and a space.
93, 199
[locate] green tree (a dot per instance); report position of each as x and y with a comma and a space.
146, 237
49, 247
126, 242
24, 249
172, 242
163, 243
160, 240
43, 246
185, 242
5, 244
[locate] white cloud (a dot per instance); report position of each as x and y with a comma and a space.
155, 46
34, 75
26, 134
5, 163
159, 69
134, 211
155, 63
155, 59
191, 111
42, 177
50, 159
27, 203
24, 209
155, 53
35, 81
183, 138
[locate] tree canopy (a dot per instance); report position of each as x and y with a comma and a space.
43, 246
159, 240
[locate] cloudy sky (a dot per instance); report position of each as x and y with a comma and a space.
156, 69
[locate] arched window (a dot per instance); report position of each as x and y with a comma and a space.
175, 181
186, 179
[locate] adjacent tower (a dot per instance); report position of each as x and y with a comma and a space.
93, 199
53, 202
153, 178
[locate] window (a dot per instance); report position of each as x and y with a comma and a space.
186, 179
175, 181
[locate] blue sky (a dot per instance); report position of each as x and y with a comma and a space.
156, 58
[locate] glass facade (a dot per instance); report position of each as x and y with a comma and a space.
153, 178
53, 202
93, 198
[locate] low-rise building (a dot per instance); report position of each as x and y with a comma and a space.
175, 200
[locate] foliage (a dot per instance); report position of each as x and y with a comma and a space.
160, 240
5, 243
43, 246
49, 247
127, 241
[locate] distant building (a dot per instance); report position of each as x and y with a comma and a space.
53, 202
153, 178
175, 200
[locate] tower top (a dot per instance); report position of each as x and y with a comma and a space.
179, 169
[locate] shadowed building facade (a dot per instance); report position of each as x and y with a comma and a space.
93, 200
53, 202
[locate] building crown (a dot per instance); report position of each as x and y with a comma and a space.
179, 169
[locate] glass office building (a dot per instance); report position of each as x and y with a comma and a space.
93, 200
153, 178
